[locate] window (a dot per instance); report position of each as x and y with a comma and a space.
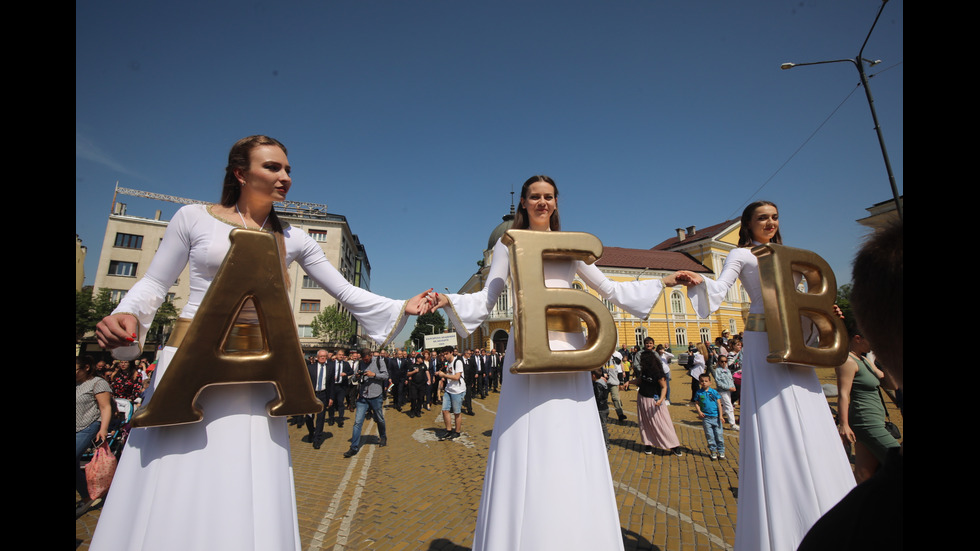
609, 305
309, 306
502, 302
732, 327
115, 295
319, 235
308, 283
680, 336
170, 298
117, 268
305, 332
705, 334
677, 302
129, 241
641, 333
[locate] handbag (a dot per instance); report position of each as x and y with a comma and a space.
99, 471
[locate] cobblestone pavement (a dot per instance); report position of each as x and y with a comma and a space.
419, 493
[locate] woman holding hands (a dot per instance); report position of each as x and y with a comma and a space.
792, 468
225, 482
547, 483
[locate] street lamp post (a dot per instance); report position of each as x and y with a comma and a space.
858, 63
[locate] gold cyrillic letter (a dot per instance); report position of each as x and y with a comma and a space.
538, 306
787, 307
213, 352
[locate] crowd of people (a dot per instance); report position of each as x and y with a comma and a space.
418, 380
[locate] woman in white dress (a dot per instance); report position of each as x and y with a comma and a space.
225, 482
792, 467
548, 483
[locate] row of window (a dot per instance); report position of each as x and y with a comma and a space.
128, 241
680, 334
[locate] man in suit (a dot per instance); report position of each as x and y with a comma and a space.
397, 367
494, 371
469, 376
340, 373
322, 386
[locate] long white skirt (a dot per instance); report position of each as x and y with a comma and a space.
223, 483
792, 466
548, 484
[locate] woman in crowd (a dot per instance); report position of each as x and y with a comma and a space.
665, 358
792, 468
225, 482
861, 410
547, 483
93, 412
656, 426
126, 382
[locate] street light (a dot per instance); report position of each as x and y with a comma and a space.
858, 63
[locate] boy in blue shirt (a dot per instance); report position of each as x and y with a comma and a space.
708, 403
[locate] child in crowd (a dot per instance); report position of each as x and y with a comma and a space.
726, 385
708, 403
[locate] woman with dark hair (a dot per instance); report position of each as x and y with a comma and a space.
126, 382
792, 468
861, 409
93, 412
656, 426
225, 482
548, 483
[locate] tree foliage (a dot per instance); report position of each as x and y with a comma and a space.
424, 325
844, 303
165, 316
332, 325
89, 310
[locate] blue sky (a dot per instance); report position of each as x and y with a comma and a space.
415, 119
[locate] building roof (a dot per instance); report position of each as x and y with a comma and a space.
700, 235
498, 232
618, 257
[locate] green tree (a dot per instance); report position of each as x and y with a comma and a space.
427, 324
83, 313
844, 303
90, 310
165, 316
332, 325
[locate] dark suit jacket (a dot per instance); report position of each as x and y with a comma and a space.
345, 368
328, 386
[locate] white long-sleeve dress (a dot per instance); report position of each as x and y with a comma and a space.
225, 482
548, 483
792, 467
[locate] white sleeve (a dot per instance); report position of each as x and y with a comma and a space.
467, 312
636, 297
708, 296
148, 293
382, 318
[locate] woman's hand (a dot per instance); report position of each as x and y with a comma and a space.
440, 301
846, 434
420, 304
683, 277
116, 330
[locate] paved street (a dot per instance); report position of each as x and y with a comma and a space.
419, 493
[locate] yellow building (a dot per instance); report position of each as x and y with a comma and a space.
672, 319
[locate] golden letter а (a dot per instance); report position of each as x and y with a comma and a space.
229, 341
